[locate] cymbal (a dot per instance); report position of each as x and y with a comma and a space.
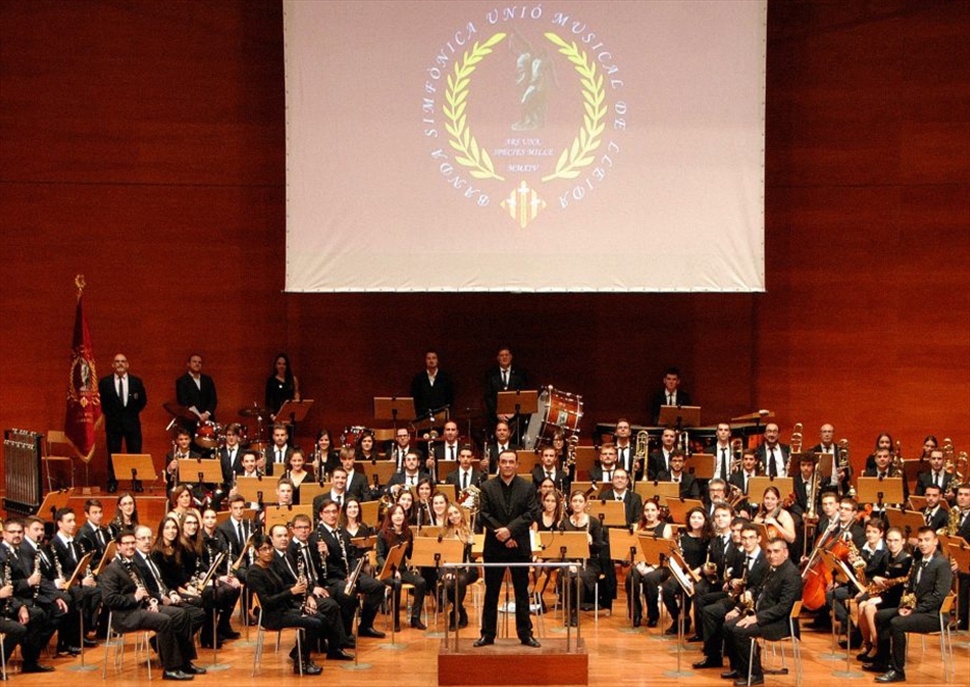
182, 412
254, 411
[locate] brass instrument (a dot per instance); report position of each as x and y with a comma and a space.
431, 436
737, 450
796, 438
641, 451
958, 471
898, 460
684, 440
709, 569
843, 463
742, 596
952, 522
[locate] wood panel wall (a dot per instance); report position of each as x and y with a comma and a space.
142, 143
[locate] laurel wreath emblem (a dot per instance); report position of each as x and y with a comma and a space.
471, 155
579, 154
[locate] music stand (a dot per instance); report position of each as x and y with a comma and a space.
681, 417
517, 403
80, 570
527, 460
138, 465
960, 552
391, 565
364, 543
917, 502
449, 490
254, 488
622, 539
679, 507
665, 490
758, 484
823, 463
109, 554
200, 470
222, 516
700, 465
310, 490
478, 546
680, 571
879, 490
613, 512
54, 501
585, 487
394, 408
586, 457
912, 469
283, 515
296, 410
655, 549
430, 552
369, 511
384, 469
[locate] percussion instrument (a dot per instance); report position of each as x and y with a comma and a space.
351, 435
557, 411
208, 434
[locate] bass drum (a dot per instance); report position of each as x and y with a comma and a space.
208, 434
557, 411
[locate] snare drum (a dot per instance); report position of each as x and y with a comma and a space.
207, 434
557, 411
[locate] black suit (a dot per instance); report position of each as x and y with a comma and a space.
801, 505
273, 467
846, 481
429, 398
891, 472
121, 420
939, 519
517, 381
226, 531
963, 579
95, 539
401, 478
33, 637
561, 478
714, 611
511, 506
449, 458
931, 583
689, 488
492, 450
660, 399
230, 466
395, 453
782, 587
170, 623
336, 569
201, 396
657, 463
926, 479
358, 486
780, 450
632, 504
454, 477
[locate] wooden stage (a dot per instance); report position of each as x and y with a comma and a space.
616, 657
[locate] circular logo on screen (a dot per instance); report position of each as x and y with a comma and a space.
523, 112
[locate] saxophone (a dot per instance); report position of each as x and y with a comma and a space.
908, 599
952, 522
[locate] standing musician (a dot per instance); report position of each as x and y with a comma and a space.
773, 456
457, 527
548, 468
626, 456
508, 508
335, 556
693, 543
579, 521
85, 594
723, 455
867, 562
502, 377
395, 530
918, 611
747, 572
197, 392
134, 608
935, 515
282, 603
619, 491
689, 487
643, 578
432, 388
884, 590
30, 626
781, 587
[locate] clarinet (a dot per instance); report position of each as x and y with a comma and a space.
37, 572
129, 567
6, 581
301, 577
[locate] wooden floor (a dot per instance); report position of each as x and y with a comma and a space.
617, 657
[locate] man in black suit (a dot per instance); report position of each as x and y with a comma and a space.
780, 589
92, 536
230, 455
741, 478
133, 608
53, 600
123, 398
935, 475
626, 456
772, 455
357, 485
166, 596
278, 455
602, 472
670, 395
409, 477
806, 491
447, 449
401, 447
85, 594
466, 475
930, 583
659, 460
503, 442
619, 491
963, 530
689, 488
548, 468
432, 388
508, 509
502, 377
235, 531
842, 479
885, 469
197, 392
935, 515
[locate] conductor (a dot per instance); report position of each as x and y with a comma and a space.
508, 506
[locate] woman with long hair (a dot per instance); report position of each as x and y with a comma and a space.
457, 527
580, 521
282, 385
126, 515
297, 473
645, 579
772, 514
693, 541
395, 531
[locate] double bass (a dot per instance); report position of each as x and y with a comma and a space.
816, 578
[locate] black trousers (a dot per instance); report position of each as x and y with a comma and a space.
420, 589
649, 583
465, 577
712, 622
493, 591
892, 628
738, 644
171, 625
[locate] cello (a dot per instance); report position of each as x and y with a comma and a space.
816, 578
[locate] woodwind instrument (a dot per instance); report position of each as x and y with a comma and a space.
843, 463
908, 599
873, 589
58, 567
301, 578
6, 581
37, 572
129, 567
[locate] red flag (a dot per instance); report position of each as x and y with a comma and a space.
83, 400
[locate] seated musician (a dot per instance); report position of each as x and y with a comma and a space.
645, 579
405, 499
670, 395
659, 460
36, 566
230, 455
367, 450
338, 490
689, 488
935, 515
720, 549
619, 491
918, 611
395, 530
805, 489
935, 475
402, 447
325, 456
774, 517
503, 442
161, 563
282, 603
884, 589
181, 499
884, 440
550, 510
408, 477
580, 521
740, 479
126, 515
297, 473
548, 468
92, 535
963, 578
768, 617
235, 533
219, 597
884, 468
626, 456
747, 571
467, 474
722, 451
337, 559
351, 521
421, 516
439, 510
357, 485
716, 493
125, 593
693, 542
867, 562
182, 450
284, 492
278, 454
457, 527
85, 594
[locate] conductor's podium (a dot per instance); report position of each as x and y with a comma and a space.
507, 662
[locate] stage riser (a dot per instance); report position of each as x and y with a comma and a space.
508, 662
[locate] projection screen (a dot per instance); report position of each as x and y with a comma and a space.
555, 146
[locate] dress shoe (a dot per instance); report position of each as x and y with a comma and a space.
755, 680
864, 655
672, 630
350, 643
192, 669
229, 634
69, 650
370, 632
875, 668
892, 676
397, 626
462, 619
293, 653
707, 663
137, 487
652, 622
730, 675
153, 643
531, 641
89, 643
637, 621
417, 624
693, 639
483, 641
307, 669
339, 655
36, 668
176, 675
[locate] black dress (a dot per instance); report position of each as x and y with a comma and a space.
694, 550
278, 392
